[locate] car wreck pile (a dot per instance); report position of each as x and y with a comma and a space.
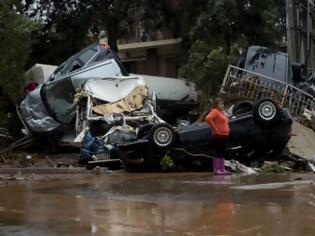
116, 119
113, 117
111, 112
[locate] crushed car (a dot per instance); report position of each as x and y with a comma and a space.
258, 132
256, 135
50, 110
115, 100
109, 112
174, 95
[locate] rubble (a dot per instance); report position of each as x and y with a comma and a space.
236, 166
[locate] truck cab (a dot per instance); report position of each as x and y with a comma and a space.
267, 62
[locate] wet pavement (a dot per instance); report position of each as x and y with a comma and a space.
160, 204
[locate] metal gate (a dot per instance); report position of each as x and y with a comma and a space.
244, 83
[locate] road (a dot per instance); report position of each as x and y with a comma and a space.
159, 204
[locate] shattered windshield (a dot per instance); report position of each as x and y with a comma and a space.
58, 97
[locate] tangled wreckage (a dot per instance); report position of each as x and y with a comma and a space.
50, 109
112, 115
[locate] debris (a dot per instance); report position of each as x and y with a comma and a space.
113, 164
29, 160
273, 167
167, 162
308, 114
62, 164
238, 167
302, 142
51, 162
20, 143
97, 170
3, 158
133, 101
311, 166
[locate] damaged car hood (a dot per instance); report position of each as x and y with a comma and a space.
112, 89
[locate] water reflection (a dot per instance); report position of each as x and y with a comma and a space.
156, 204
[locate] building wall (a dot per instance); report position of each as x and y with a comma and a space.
152, 58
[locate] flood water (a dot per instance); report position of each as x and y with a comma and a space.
160, 204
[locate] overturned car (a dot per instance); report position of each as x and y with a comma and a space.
259, 131
256, 135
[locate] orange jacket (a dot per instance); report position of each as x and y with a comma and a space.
218, 122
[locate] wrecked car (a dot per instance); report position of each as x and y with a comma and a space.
50, 110
109, 112
174, 95
259, 134
115, 101
89, 62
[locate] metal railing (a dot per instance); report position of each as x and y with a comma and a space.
251, 85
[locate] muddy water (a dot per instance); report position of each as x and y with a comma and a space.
160, 204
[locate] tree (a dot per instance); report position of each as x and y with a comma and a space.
64, 29
206, 66
15, 32
221, 30
70, 25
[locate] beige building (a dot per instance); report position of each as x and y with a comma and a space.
152, 57
153, 51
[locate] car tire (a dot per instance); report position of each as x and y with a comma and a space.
266, 112
162, 136
242, 107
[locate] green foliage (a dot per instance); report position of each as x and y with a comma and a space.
220, 29
274, 168
206, 66
15, 32
68, 26
167, 162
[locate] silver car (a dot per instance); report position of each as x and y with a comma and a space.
50, 107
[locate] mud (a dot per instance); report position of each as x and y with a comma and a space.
160, 204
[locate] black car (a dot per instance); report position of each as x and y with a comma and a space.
256, 135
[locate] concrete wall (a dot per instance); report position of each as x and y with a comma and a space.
302, 142
157, 58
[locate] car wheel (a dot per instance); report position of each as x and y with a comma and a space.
162, 136
266, 111
242, 107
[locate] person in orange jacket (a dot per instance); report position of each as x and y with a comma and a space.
219, 125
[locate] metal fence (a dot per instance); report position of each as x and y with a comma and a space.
251, 85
